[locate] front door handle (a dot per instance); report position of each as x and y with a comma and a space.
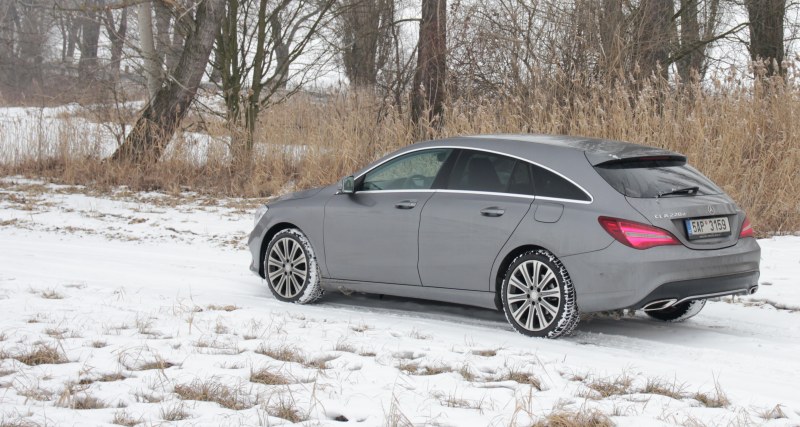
493, 211
406, 204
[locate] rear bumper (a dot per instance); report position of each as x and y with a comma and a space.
620, 277
673, 293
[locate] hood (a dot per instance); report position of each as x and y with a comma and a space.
297, 195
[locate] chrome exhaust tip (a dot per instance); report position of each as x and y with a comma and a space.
659, 305
752, 290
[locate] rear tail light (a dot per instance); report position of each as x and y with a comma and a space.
747, 229
637, 235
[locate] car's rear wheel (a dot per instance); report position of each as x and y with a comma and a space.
290, 268
538, 296
678, 312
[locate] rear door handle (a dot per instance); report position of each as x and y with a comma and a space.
493, 211
406, 204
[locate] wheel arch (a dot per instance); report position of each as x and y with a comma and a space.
275, 229
504, 264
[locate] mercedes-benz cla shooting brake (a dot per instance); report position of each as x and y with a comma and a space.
540, 227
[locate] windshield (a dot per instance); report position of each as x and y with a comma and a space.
649, 178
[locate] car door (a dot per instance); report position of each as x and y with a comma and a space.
465, 224
371, 235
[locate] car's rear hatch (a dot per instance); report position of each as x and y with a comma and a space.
676, 197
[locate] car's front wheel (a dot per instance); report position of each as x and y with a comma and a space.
291, 269
538, 296
678, 312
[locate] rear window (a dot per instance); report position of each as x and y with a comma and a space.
653, 178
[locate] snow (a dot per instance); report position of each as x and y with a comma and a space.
117, 281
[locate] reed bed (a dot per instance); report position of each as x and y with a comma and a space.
746, 137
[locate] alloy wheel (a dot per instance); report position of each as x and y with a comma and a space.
534, 295
287, 267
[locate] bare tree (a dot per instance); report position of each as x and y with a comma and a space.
258, 42
766, 33
117, 35
162, 116
429, 79
365, 29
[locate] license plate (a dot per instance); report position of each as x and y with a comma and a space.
707, 227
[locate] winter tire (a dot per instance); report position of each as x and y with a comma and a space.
678, 312
290, 268
538, 297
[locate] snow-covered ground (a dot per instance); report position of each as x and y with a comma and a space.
148, 302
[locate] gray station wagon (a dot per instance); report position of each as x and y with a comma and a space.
540, 227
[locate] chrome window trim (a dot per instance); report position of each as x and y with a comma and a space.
444, 190
458, 147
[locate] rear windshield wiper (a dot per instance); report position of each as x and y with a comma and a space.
688, 190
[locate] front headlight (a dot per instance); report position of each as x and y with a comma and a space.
260, 213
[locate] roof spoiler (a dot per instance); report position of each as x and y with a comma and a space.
649, 155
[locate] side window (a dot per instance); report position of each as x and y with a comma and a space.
548, 184
521, 180
480, 171
414, 171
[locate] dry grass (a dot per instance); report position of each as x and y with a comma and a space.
123, 418
42, 354
175, 412
742, 135
602, 388
713, 399
212, 390
286, 408
283, 353
664, 388
268, 377
50, 294
485, 352
521, 377
414, 368
155, 364
581, 418
228, 307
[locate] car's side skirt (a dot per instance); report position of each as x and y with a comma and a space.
455, 296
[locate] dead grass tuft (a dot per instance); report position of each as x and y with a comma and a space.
175, 412
344, 346
266, 376
485, 352
123, 418
212, 390
659, 386
713, 399
98, 344
521, 377
414, 368
283, 353
606, 387
155, 364
227, 308
287, 409
42, 354
582, 418
50, 294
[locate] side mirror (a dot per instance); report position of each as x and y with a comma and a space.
348, 185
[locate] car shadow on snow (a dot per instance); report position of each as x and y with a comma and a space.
637, 327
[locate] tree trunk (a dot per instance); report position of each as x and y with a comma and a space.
364, 26
691, 49
152, 68
117, 36
655, 38
90, 37
429, 79
766, 33
612, 33
163, 41
162, 116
